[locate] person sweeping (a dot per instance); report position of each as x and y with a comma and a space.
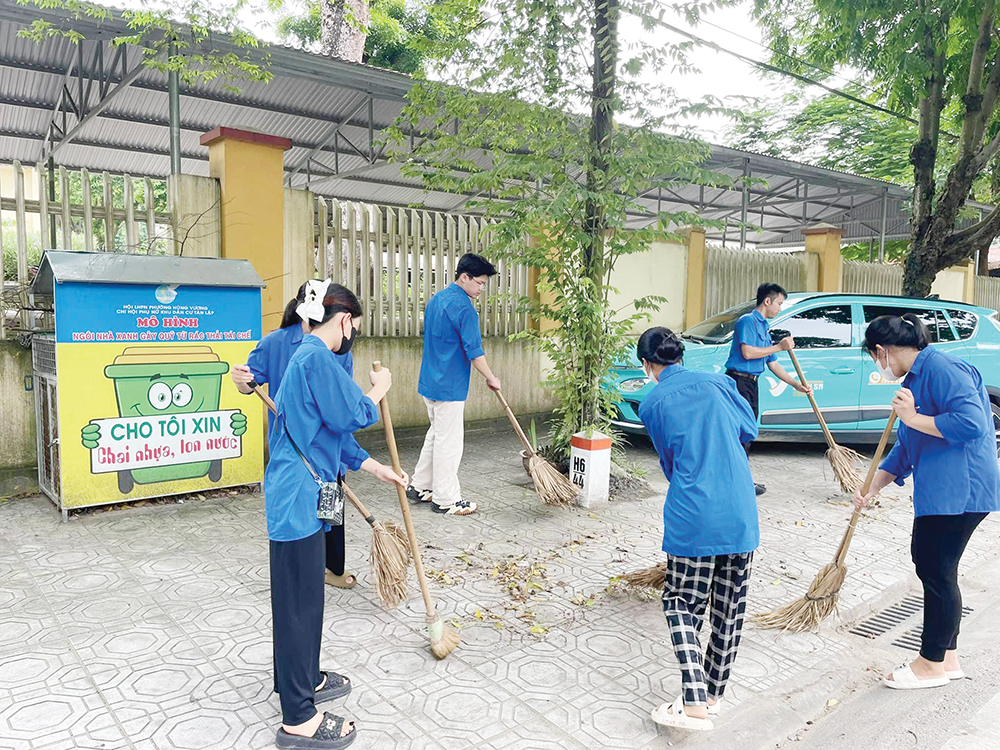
947, 442
698, 423
267, 364
752, 348
318, 409
452, 347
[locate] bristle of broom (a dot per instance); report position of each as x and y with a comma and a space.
389, 560
647, 578
844, 462
552, 486
404, 541
807, 613
444, 638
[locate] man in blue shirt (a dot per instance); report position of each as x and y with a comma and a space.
452, 347
753, 348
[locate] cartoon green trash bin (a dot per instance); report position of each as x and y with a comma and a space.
159, 382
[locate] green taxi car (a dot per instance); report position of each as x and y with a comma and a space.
829, 331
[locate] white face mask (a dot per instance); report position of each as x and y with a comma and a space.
885, 371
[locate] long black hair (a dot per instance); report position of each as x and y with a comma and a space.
338, 299
290, 317
894, 330
660, 346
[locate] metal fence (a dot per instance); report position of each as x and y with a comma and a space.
71, 210
871, 278
732, 275
395, 259
987, 292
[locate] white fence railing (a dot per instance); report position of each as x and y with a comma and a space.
987, 292
732, 276
101, 212
871, 278
395, 259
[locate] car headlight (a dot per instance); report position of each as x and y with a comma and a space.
633, 384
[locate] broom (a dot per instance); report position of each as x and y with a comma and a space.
842, 459
389, 555
444, 638
821, 600
552, 486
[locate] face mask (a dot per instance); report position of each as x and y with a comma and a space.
347, 343
885, 372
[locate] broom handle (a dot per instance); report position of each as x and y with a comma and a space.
515, 423
347, 490
849, 534
812, 400
404, 504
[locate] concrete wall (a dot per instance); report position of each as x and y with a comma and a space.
661, 271
195, 212
298, 242
516, 364
950, 284
17, 433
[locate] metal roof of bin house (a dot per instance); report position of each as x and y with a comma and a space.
59, 266
96, 107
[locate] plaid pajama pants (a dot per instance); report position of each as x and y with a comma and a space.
691, 586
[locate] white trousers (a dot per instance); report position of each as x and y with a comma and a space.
437, 467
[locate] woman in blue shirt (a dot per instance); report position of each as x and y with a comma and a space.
947, 442
319, 407
698, 423
266, 364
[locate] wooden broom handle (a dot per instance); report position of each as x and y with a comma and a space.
515, 423
812, 400
347, 490
849, 534
404, 504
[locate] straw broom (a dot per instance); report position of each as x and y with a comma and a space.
552, 486
444, 638
389, 555
820, 601
842, 459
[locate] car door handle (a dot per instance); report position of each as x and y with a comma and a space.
843, 371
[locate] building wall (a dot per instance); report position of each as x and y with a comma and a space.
662, 271
17, 405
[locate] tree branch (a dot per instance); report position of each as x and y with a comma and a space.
989, 228
988, 151
973, 122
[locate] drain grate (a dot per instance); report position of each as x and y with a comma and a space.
889, 617
893, 617
910, 640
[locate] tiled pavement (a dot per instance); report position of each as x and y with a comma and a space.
149, 628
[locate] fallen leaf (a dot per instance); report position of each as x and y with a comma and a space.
592, 515
832, 702
538, 629
479, 614
776, 581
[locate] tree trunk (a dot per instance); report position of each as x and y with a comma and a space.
983, 265
344, 28
596, 222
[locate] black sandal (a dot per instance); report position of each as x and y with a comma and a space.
334, 686
327, 737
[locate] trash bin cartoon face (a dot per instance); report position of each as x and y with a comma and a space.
157, 382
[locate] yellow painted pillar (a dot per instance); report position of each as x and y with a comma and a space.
694, 295
250, 169
970, 282
824, 241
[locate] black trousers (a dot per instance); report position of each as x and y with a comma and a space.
297, 591
747, 387
336, 549
936, 547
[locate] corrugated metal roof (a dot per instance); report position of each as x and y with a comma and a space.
310, 94
123, 268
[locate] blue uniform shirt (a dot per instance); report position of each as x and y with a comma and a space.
451, 341
321, 406
751, 329
270, 357
698, 423
959, 473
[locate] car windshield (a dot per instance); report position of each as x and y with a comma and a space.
719, 327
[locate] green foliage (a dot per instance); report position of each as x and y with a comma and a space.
895, 250
181, 37
8, 237
505, 129
400, 34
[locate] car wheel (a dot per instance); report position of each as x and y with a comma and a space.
995, 408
